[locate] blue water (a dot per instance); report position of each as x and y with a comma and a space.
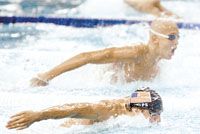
27, 49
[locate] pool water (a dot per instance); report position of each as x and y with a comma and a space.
187, 9
27, 49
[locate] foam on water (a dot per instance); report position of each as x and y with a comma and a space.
177, 82
36, 48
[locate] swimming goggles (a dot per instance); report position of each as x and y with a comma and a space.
143, 100
169, 37
154, 109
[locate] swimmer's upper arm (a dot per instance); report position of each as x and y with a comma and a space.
85, 110
91, 111
126, 53
76, 110
114, 55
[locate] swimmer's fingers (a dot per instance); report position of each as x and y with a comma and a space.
35, 82
15, 120
19, 126
169, 14
164, 12
23, 127
19, 114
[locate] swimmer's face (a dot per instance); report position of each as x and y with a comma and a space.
152, 118
167, 46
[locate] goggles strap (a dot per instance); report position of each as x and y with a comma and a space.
159, 34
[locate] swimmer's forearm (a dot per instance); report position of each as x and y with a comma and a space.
97, 57
53, 113
74, 62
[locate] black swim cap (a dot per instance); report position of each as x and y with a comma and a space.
154, 107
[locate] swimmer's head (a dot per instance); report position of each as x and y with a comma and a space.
164, 35
149, 102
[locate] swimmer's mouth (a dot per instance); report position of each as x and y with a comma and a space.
173, 50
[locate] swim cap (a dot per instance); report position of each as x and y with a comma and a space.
146, 98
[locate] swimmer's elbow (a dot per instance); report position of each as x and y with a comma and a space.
84, 58
101, 56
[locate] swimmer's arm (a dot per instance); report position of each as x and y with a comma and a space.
95, 57
80, 110
148, 6
165, 11
132, 3
76, 110
155, 7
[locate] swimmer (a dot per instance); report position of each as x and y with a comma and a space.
150, 6
138, 61
143, 101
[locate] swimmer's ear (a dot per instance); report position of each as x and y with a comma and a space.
154, 39
127, 106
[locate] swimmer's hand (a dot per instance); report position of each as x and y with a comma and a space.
37, 81
23, 120
169, 14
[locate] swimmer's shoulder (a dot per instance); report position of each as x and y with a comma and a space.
140, 47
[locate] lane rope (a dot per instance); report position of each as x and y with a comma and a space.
86, 22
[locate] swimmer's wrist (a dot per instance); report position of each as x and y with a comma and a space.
46, 77
43, 115
39, 116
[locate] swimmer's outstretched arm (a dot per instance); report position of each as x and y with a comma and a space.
164, 11
95, 57
147, 6
150, 6
24, 119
